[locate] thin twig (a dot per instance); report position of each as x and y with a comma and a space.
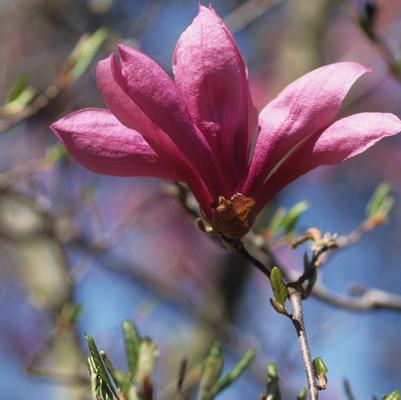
23, 171
298, 321
241, 250
264, 260
371, 299
248, 12
295, 297
367, 26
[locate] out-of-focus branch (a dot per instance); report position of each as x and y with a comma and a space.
367, 300
365, 18
22, 172
146, 20
249, 11
76, 64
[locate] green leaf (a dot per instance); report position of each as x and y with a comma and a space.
280, 291
109, 366
20, 102
381, 202
273, 389
132, 341
274, 225
292, 216
393, 396
19, 86
85, 50
286, 221
56, 153
146, 359
319, 366
320, 372
99, 389
302, 394
229, 378
99, 364
211, 371
124, 383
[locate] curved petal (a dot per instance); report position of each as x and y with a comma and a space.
157, 96
98, 141
129, 114
306, 106
211, 74
342, 140
127, 111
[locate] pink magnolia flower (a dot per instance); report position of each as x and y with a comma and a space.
202, 127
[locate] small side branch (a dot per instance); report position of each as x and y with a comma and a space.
368, 299
298, 321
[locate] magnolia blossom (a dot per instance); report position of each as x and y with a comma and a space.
202, 128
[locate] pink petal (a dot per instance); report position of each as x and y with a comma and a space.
128, 112
97, 140
157, 96
306, 106
211, 74
342, 140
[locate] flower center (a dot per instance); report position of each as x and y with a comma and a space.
233, 218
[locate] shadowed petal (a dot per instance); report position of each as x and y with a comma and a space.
211, 74
157, 96
342, 140
97, 140
125, 109
306, 106
128, 112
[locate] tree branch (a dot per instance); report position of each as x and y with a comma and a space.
298, 321
249, 11
370, 299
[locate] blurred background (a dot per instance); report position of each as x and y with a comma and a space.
125, 248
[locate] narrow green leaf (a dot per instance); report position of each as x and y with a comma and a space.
146, 359
99, 389
234, 374
85, 51
274, 225
109, 366
19, 87
285, 221
280, 291
380, 202
292, 216
302, 394
99, 365
20, 102
132, 341
124, 384
93, 376
393, 396
56, 153
273, 389
211, 371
